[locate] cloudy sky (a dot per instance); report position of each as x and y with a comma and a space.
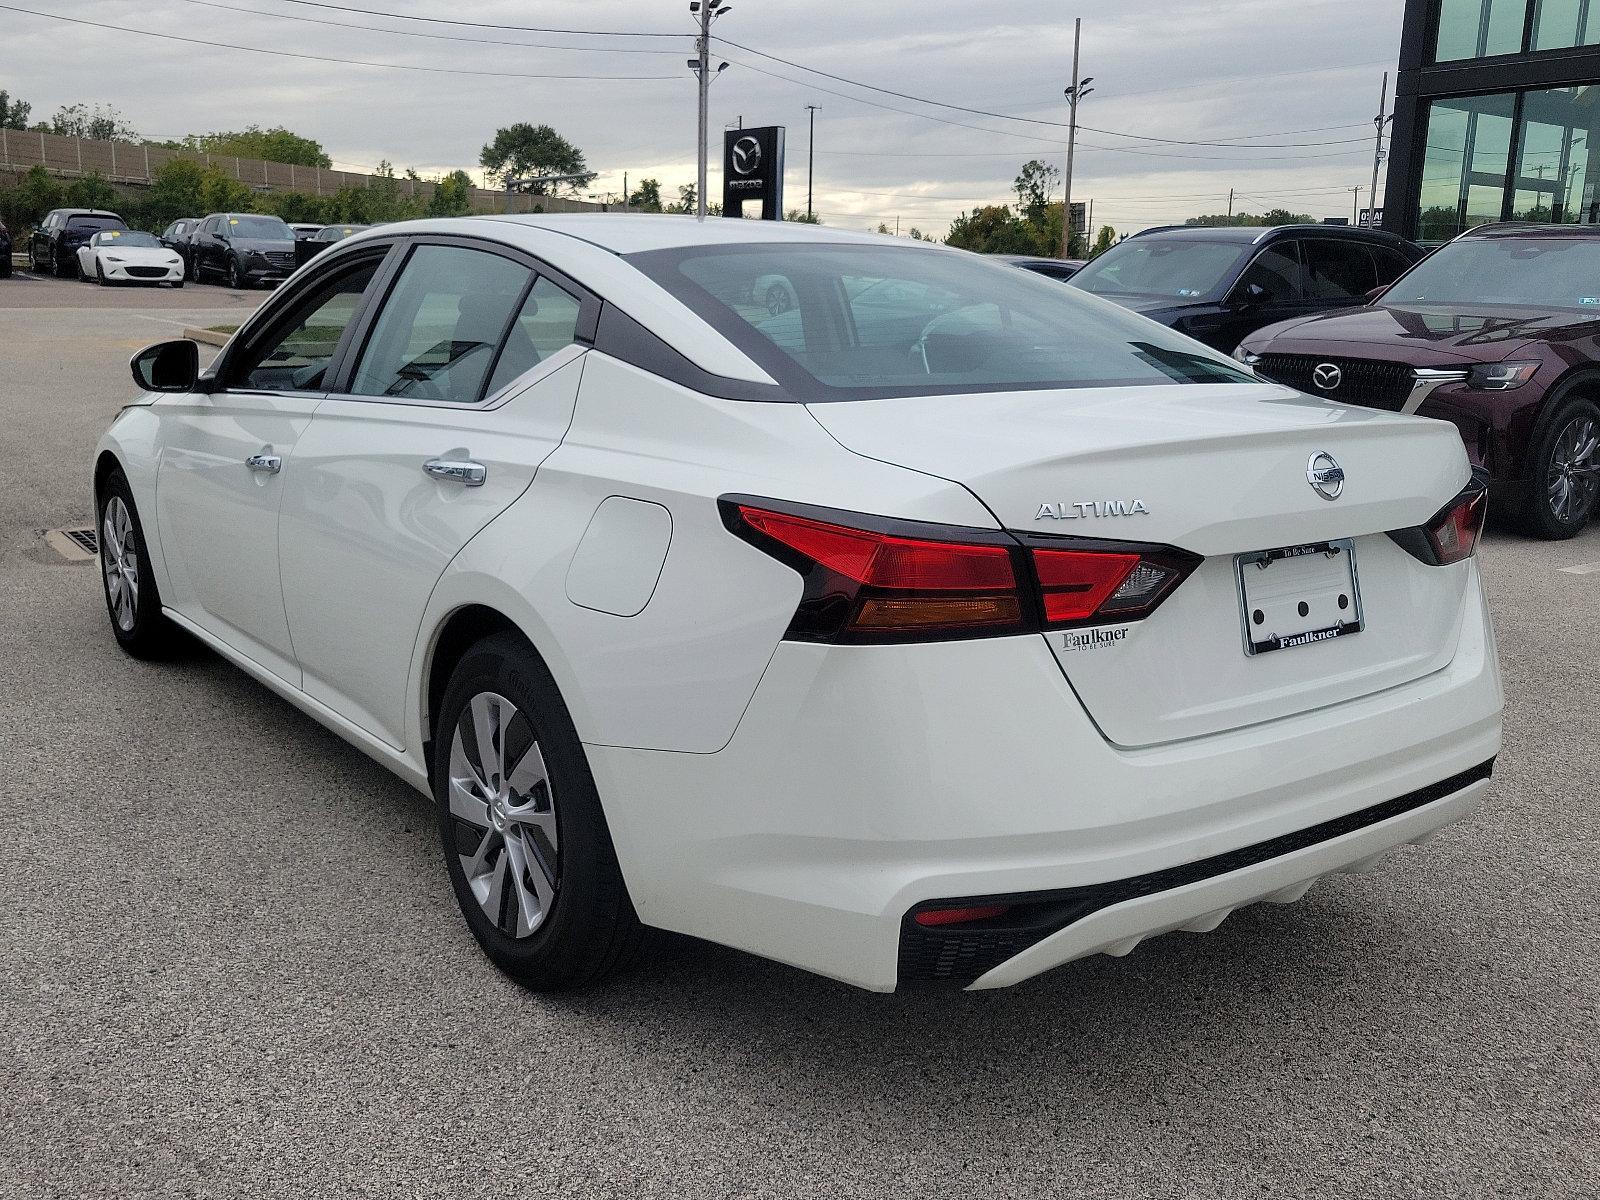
1289, 86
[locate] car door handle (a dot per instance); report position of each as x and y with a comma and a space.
463, 471
270, 463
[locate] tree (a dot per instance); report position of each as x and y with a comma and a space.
92, 191
917, 235
1106, 239
452, 196
13, 113
523, 150
686, 200
647, 196
1033, 187
1273, 216
35, 194
222, 193
102, 123
992, 229
277, 145
175, 192
800, 218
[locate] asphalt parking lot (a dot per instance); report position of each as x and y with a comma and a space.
233, 966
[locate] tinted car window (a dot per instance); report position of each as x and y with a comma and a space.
1277, 271
1391, 264
548, 322
442, 325
90, 222
296, 357
1178, 267
1541, 272
869, 321
1338, 270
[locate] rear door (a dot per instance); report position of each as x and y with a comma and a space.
464, 384
1339, 271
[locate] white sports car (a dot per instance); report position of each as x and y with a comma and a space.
128, 256
948, 625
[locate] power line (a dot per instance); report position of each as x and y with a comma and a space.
346, 62
373, 12
417, 33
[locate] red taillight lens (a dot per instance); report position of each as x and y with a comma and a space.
904, 581
933, 917
1454, 533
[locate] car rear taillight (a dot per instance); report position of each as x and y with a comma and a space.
1451, 536
869, 579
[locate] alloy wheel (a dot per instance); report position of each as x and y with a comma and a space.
504, 815
120, 561
1573, 478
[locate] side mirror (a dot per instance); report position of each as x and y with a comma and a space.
1372, 296
1254, 293
167, 366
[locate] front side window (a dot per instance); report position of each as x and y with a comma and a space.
1276, 276
295, 356
1539, 272
1177, 268
441, 326
864, 321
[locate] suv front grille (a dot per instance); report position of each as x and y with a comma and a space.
1361, 380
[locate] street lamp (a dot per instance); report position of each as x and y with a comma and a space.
513, 185
1076, 90
700, 64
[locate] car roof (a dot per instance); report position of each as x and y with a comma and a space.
1251, 234
1021, 259
631, 233
1522, 229
88, 212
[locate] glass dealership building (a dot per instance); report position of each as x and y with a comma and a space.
1497, 116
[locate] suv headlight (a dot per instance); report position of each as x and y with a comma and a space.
1246, 357
1500, 377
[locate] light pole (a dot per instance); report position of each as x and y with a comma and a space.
1377, 153
811, 153
531, 180
1078, 89
700, 64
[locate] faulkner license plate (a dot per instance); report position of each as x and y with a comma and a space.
1298, 595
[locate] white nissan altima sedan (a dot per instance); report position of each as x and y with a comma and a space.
943, 624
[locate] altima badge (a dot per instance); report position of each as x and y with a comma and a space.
1090, 508
1325, 476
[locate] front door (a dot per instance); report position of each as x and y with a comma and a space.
1272, 288
466, 384
224, 459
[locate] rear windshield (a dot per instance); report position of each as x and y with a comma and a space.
96, 223
258, 227
1540, 272
857, 322
1175, 267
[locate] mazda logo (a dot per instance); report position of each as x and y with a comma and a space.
746, 155
1325, 475
1326, 376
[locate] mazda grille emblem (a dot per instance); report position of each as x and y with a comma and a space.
1325, 476
1326, 376
746, 155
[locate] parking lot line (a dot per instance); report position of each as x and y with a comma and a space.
1582, 569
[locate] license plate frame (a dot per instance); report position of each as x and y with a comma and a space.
1322, 575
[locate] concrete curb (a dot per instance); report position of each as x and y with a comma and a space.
209, 337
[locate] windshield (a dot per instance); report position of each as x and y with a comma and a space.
127, 238
258, 227
1540, 272
1157, 266
832, 322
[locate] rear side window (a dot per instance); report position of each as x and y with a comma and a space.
1391, 264
442, 325
859, 321
1338, 270
546, 324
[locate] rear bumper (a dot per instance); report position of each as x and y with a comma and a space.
864, 781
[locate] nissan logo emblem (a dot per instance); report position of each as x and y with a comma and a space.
1325, 476
1326, 376
746, 155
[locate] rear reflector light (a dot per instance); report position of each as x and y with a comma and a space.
871, 580
960, 916
1451, 536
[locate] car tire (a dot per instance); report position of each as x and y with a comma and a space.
236, 279
177, 283
5, 266
133, 601
191, 270
525, 841
1564, 491
99, 273
69, 268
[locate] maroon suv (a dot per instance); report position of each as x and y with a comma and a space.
1498, 332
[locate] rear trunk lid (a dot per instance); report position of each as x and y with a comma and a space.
1220, 470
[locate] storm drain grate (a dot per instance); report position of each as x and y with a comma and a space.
85, 537
78, 544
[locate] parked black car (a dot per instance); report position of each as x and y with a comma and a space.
177, 238
1054, 268
53, 248
5, 251
308, 248
244, 249
1221, 284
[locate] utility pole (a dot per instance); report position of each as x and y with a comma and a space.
1230, 204
811, 153
1077, 91
706, 11
1377, 152
1355, 205
624, 191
